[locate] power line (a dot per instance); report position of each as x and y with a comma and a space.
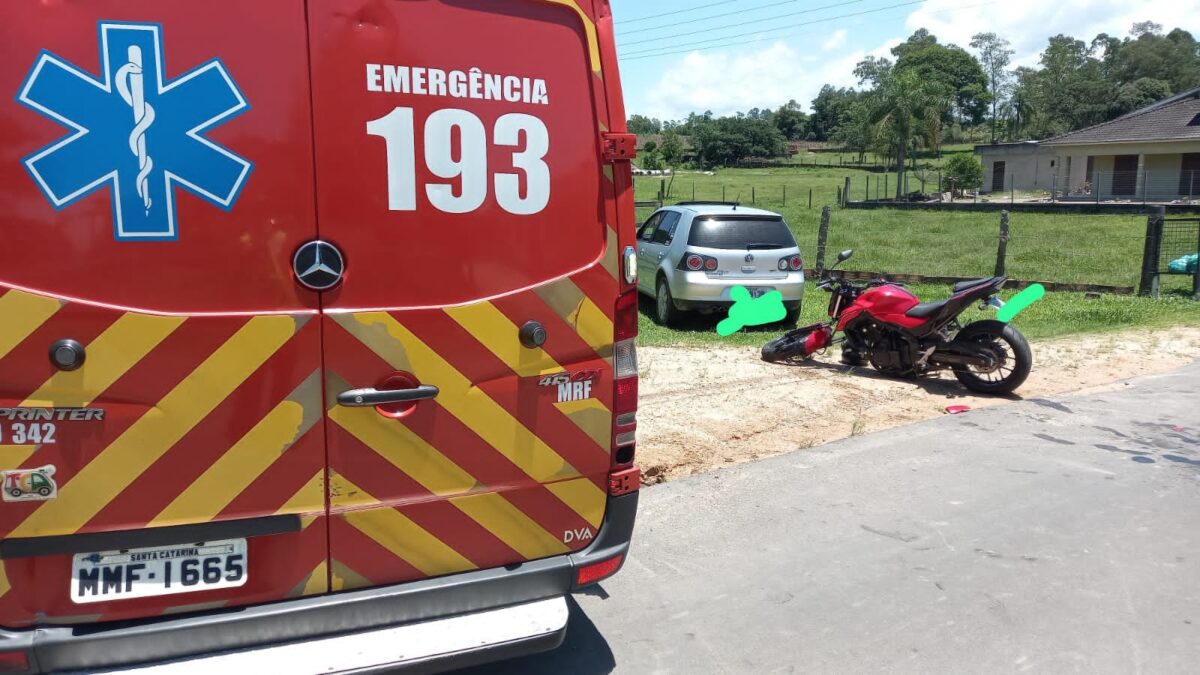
647, 53
772, 18
678, 11
676, 24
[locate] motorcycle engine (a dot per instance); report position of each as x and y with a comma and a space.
885, 357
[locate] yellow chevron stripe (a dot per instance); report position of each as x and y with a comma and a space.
400, 535
404, 450
342, 578
318, 580
510, 525
493, 330
589, 28
20, 315
574, 306
13, 456
242, 464
120, 347
579, 494
4, 585
143, 443
470, 405
612, 252
593, 417
307, 499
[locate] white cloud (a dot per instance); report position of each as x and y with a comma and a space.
1028, 24
836, 40
726, 82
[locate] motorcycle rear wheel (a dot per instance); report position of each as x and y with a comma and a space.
1007, 340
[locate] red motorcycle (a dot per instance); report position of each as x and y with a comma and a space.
883, 323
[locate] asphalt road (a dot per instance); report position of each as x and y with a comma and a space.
1049, 536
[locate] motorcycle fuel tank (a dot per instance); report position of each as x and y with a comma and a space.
885, 303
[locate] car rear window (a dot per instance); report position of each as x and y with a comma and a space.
741, 233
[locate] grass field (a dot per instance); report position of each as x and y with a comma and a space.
1070, 248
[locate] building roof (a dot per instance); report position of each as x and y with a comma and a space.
1173, 119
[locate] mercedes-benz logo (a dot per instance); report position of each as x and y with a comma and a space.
318, 265
749, 257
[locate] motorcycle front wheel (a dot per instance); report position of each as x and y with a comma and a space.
792, 346
1011, 369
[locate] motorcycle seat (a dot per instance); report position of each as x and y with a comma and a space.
964, 285
925, 309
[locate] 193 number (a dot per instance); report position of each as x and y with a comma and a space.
398, 130
20, 433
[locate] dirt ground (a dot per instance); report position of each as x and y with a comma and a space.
706, 407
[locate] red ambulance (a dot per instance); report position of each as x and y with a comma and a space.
316, 331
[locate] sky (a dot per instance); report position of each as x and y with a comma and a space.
733, 55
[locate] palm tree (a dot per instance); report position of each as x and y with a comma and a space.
906, 107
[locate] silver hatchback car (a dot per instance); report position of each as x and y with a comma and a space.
691, 255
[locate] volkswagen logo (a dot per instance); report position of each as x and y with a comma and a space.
749, 257
318, 265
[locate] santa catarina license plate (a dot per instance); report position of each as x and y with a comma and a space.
159, 570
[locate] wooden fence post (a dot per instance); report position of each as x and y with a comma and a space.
753, 195
785, 194
722, 192
846, 192
810, 198
1002, 249
822, 236
1151, 252
839, 197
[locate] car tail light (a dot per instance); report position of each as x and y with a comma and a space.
598, 571
625, 382
710, 264
796, 263
783, 264
694, 262
18, 662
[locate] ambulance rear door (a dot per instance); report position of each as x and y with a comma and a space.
468, 348
161, 426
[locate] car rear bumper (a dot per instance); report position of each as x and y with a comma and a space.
699, 287
135, 646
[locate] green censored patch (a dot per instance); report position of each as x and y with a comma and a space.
1020, 301
747, 311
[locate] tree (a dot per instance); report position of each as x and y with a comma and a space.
1138, 94
828, 107
640, 124
950, 66
724, 141
964, 172
902, 106
672, 148
791, 121
994, 54
855, 131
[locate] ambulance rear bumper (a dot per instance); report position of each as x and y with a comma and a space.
501, 605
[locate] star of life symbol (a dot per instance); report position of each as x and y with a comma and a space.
135, 131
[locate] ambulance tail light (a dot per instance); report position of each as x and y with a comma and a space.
625, 389
598, 571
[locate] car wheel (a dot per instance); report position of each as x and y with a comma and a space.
791, 318
664, 305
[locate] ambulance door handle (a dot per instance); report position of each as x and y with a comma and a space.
366, 398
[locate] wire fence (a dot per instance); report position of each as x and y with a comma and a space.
1103, 252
